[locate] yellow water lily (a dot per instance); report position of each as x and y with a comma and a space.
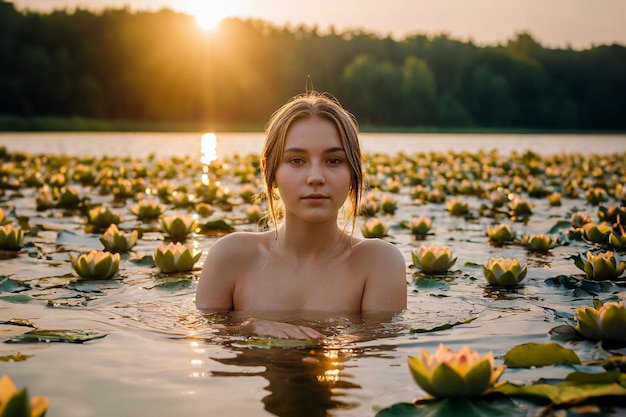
388, 204
500, 233
595, 232
11, 237
254, 213
450, 374
96, 264
117, 241
602, 266
102, 217
14, 403
579, 218
506, 272
147, 209
432, 259
175, 257
606, 323
373, 228
539, 242
420, 226
178, 227
457, 206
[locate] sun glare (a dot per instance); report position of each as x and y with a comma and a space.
207, 13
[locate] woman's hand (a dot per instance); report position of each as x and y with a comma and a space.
276, 329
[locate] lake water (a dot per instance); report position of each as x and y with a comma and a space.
161, 357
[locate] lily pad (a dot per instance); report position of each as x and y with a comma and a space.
216, 226
65, 336
498, 407
430, 283
17, 357
533, 354
562, 393
443, 326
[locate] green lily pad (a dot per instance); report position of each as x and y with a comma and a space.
533, 354
562, 393
561, 224
479, 407
19, 322
65, 336
16, 298
9, 285
216, 226
430, 283
442, 327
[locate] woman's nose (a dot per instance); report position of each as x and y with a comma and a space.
315, 174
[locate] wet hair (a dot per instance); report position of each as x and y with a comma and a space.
311, 104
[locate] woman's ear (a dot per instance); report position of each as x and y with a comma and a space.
263, 163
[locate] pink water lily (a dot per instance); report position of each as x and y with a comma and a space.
450, 374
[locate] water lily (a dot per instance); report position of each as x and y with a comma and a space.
3, 217
373, 228
539, 242
450, 374
388, 204
618, 241
457, 206
204, 209
432, 259
178, 227
600, 267
14, 403
96, 264
68, 198
117, 241
370, 205
606, 323
500, 233
102, 217
596, 232
506, 272
11, 237
175, 257
420, 226
147, 209
554, 200
254, 213
596, 195
247, 192
520, 207
579, 218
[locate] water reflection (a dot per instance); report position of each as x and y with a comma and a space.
303, 382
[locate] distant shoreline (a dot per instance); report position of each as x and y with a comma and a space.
10, 123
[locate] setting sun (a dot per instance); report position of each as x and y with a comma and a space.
208, 14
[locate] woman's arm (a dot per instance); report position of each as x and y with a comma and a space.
385, 287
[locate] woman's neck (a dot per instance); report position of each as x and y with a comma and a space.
311, 241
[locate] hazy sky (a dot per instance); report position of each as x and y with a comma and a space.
554, 23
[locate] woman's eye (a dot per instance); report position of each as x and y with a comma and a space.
296, 160
335, 161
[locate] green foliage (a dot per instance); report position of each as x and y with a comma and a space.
532, 354
121, 68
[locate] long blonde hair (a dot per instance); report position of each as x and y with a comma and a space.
311, 104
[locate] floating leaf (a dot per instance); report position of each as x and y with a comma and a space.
18, 357
607, 377
9, 285
19, 322
66, 336
534, 354
431, 283
483, 407
443, 326
561, 393
16, 298
216, 226
561, 224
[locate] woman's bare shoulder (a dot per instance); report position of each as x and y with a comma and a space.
375, 249
240, 244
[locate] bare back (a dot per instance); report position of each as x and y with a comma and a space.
251, 272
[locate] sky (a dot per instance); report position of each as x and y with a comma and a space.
578, 24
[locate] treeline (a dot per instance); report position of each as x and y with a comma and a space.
120, 65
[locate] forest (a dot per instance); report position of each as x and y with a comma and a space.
159, 67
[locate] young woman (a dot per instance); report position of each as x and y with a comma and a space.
312, 166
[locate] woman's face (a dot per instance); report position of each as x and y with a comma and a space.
313, 175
